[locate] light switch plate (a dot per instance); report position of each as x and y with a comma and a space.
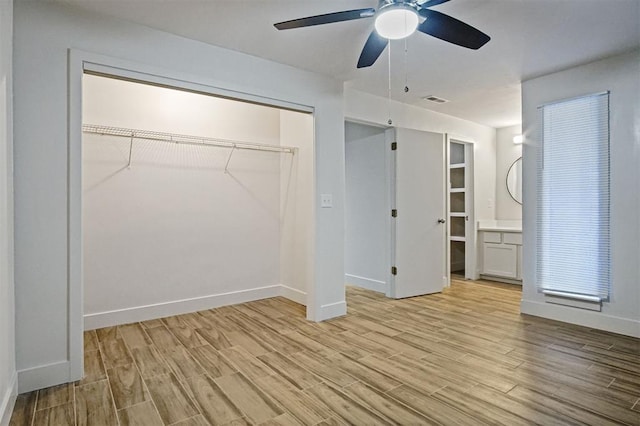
326, 201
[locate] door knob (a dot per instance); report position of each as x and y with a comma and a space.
441, 221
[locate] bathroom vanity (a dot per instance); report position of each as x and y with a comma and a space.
500, 254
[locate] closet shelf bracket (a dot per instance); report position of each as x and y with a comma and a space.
130, 150
226, 166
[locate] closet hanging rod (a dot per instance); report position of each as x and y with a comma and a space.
183, 139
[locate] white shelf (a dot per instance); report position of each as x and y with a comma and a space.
454, 238
457, 190
457, 166
460, 214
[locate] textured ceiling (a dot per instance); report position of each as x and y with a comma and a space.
529, 38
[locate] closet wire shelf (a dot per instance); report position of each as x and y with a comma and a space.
183, 139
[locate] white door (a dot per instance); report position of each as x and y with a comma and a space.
419, 240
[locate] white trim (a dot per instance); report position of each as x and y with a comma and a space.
293, 294
74, 217
43, 376
583, 317
9, 400
177, 307
332, 310
368, 283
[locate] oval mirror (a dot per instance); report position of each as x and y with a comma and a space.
514, 180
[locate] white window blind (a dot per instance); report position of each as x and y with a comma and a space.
573, 198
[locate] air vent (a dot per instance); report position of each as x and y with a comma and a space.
435, 99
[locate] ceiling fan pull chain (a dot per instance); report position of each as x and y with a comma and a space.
390, 122
406, 69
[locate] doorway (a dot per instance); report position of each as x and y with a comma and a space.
460, 210
367, 207
395, 210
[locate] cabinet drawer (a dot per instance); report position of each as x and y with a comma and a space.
492, 237
512, 238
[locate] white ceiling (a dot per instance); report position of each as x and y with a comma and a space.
529, 38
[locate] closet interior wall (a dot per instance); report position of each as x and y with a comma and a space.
174, 232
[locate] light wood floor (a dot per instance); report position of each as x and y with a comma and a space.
465, 356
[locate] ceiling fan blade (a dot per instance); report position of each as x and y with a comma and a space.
372, 49
327, 18
450, 29
431, 3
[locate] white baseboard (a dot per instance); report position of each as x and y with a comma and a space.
368, 283
582, 317
43, 376
177, 307
500, 279
294, 294
8, 400
332, 310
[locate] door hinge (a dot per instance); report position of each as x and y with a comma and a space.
394, 270
394, 213
394, 146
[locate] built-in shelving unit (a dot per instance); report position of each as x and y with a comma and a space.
458, 216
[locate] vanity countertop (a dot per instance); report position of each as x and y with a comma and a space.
500, 225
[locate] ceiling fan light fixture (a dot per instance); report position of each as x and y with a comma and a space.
396, 21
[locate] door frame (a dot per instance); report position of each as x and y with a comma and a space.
471, 249
390, 159
81, 62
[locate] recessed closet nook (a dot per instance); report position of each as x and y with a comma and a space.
190, 201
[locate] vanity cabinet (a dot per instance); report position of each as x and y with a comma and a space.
501, 255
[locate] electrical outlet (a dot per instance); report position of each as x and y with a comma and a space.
326, 201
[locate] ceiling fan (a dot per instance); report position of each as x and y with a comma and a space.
397, 19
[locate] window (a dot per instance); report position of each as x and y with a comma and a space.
573, 258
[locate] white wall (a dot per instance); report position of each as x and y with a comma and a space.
8, 382
174, 232
43, 34
367, 211
296, 206
620, 75
360, 106
506, 153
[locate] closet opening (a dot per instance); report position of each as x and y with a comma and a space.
190, 201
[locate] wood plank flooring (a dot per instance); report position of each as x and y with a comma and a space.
463, 357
